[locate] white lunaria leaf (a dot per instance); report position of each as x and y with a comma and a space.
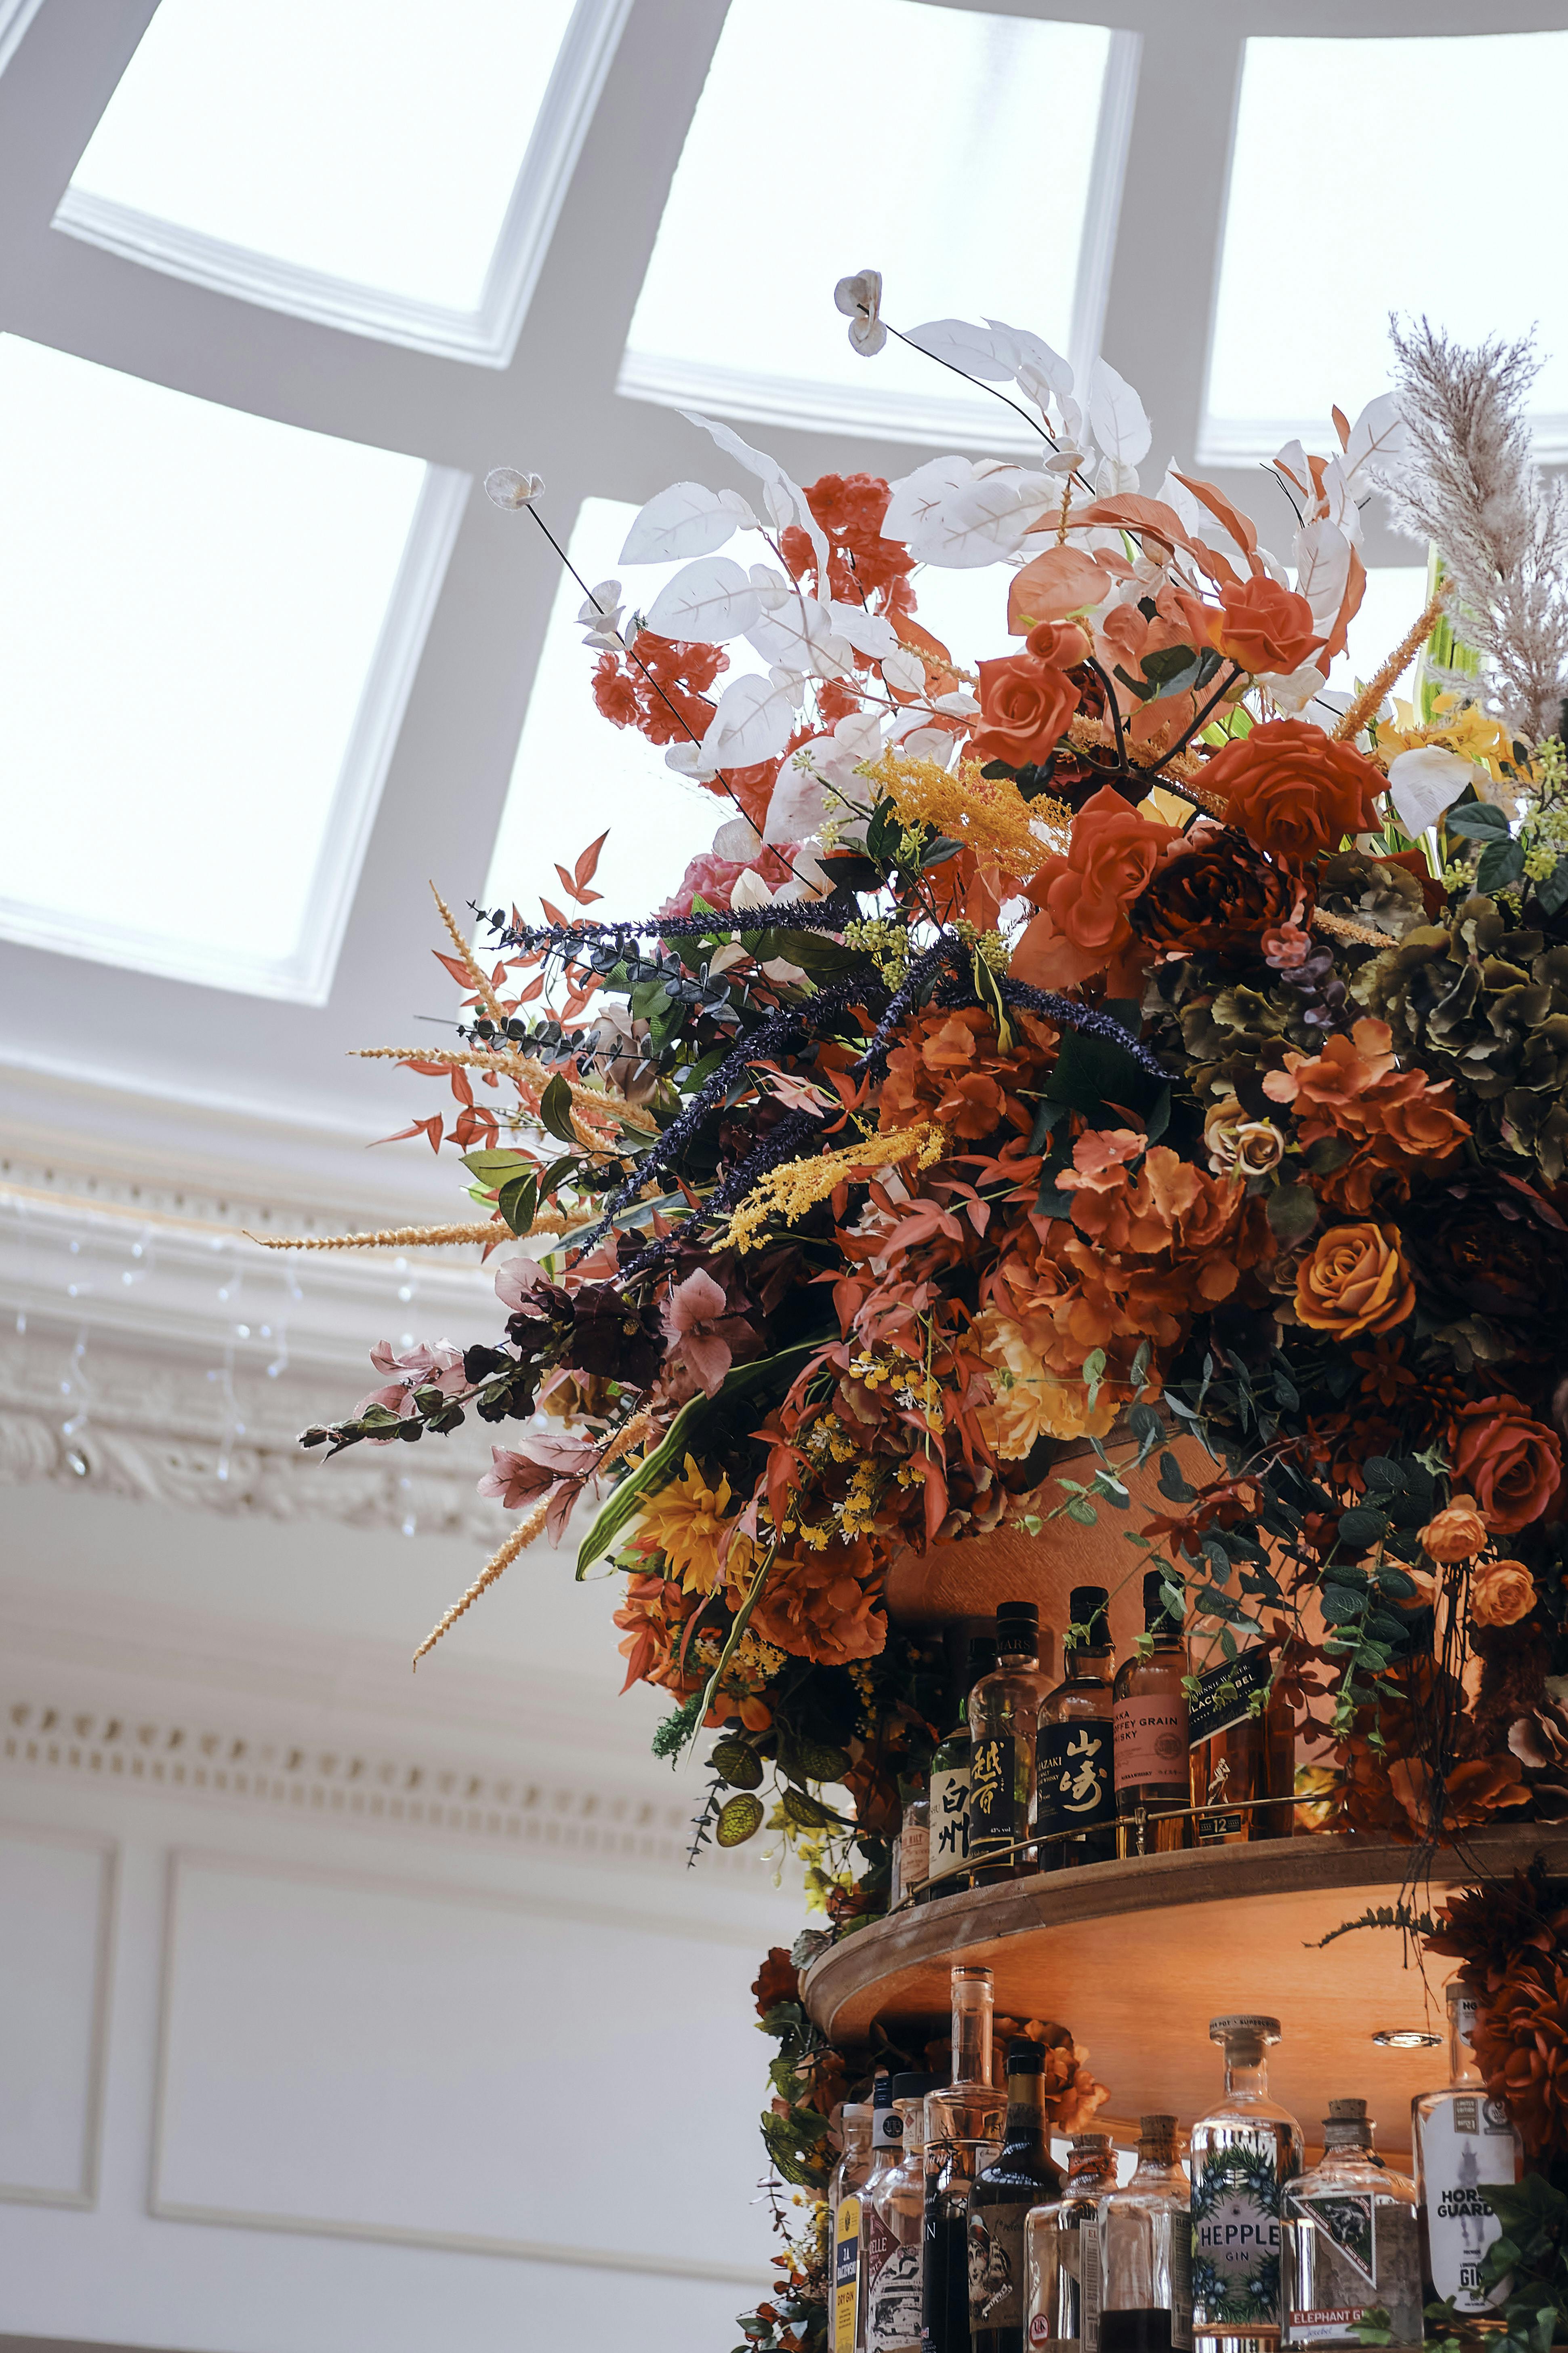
753, 720
1292, 691
1322, 570
978, 350
1425, 782
505, 487
903, 671
1116, 415
1378, 440
917, 495
689, 518
737, 837
708, 600
931, 744
786, 501
869, 633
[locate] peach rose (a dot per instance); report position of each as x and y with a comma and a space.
1063, 644
1291, 790
1083, 926
1458, 1532
1501, 1593
1264, 627
1354, 1281
1239, 1146
1512, 1465
1025, 704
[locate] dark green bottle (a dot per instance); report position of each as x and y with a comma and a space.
1021, 2176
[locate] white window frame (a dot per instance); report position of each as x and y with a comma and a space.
486, 337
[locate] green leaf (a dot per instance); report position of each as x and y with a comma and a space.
808, 1813
816, 1760
1552, 891
1292, 1212
1478, 821
1091, 1072
1502, 862
1172, 1486
520, 1201
667, 1456
737, 1764
1360, 1527
555, 1108
738, 1819
493, 1168
938, 852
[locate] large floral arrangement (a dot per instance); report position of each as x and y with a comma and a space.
1123, 1039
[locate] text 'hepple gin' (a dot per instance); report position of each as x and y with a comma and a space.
1462, 2141
1240, 2157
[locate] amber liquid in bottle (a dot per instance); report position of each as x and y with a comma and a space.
1075, 1814
1003, 1722
1149, 1723
1243, 1764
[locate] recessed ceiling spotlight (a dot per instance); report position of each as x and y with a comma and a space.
1406, 2038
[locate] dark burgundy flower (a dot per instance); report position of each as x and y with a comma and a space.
1216, 893
1483, 1244
612, 1337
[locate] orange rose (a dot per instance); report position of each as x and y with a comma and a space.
1354, 1281
1264, 627
1082, 927
1501, 1593
1060, 643
1514, 1466
1025, 704
1292, 791
1457, 1533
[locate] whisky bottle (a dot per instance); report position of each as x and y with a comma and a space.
911, 1849
964, 2121
1003, 1718
844, 2217
1241, 2156
1463, 2141
1243, 1753
1146, 2252
1149, 1721
950, 1785
1020, 2176
893, 2222
1353, 2244
1075, 1810
1061, 2251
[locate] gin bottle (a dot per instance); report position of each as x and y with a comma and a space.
1145, 2245
848, 2315
1061, 2252
1004, 1717
1020, 2176
1462, 2141
1075, 1812
1240, 2157
949, 1810
1149, 1729
1352, 2244
892, 2223
887, 2151
964, 2131
844, 2219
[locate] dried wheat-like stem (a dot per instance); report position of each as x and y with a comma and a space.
1345, 928
948, 669
386, 1238
631, 1434
501, 1558
1086, 734
477, 980
523, 1068
1349, 725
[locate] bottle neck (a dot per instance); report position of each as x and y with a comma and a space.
971, 2032
1026, 2110
1462, 2067
1090, 1666
1246, 2076
1018, 1663
1156, 2162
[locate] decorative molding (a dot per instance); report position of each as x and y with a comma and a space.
486, 337
869, 411
304, 977
343, 1784
85, 2195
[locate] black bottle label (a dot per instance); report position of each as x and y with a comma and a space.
994, 1809
1225, 1694
1077, 1784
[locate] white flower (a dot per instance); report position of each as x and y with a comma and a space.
505, 487
1292, 692
860, 301
1425, 781
599, 616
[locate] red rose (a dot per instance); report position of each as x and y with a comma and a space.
1083, 927
1291, 790
1025, 704
1264, 627
1510, 1464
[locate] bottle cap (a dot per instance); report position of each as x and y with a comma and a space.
882, 2091
973, 1973
1343, 2111
1018, 1627
1025, 2058
856, 2112
1347, 2124
1086, 1604
1157, 2128
1156, 1610
1090, 2144
1246, 2026
912, 2088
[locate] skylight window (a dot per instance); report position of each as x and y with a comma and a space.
1343, 208
210, 623
883, 134
395, 168
576, 772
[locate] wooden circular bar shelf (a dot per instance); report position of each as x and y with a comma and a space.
1137, 1956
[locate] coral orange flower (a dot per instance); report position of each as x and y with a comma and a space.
1513, 1464
1354, 1280
1456, 1533
1291, 790
1025, 706
1501, 1593
1264, 627
1083, 926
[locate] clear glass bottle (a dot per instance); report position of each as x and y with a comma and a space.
887, 2148
1020, 2176
964, 2122
1061, 2249
844, 2209
1146, 2251
1149, 1721
1461, 2139
949, 1802
1239, 1760
1353, 2244
893, 2222
1003, 1720
1240, 2157
911, 1849
1075, 1809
